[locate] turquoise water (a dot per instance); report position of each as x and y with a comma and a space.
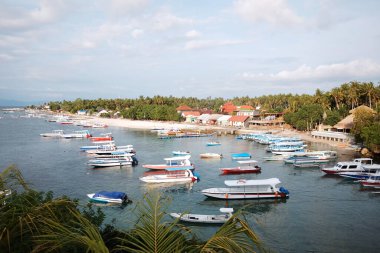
323, 213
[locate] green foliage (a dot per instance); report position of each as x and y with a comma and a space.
306, 118
362, 118
371, 135
332, 118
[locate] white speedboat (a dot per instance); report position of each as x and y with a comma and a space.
205, 218
248, 189
77, 134
53, 134
170, 176
352, 166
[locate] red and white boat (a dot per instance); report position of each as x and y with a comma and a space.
250, 166
173, 162
102, 137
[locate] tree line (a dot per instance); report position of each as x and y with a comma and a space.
303, 112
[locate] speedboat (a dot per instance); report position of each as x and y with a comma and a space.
108, 197
172, 162
372, 181
250, 167
170, 175
53, 134
205, 218
181, 153
248, 189
213, 143
367, 171
352, 166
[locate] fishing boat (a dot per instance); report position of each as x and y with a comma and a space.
213, 143
77, 134
170, 175
172, 162
250, 167
53, 134
205, 218
248, 189
211, 155
349, 166
108, 197
240, 156
181, 153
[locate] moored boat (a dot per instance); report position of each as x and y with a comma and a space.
172, 162
77, 134
53, 134
250, 167
205, 218
211, 155
181, 153
108, 197
248, 189
214, 143
372, 181
171, 175
350, 166
102, 137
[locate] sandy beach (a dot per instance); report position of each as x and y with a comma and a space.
149, 124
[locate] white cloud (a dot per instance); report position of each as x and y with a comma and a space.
123, 7
164, 20
6, 57
137, 33
199, 44
47, 11
276, 12
192, 34
339, 71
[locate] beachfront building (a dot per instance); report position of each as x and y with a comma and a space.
238, 121
346, 124
266, 120
223, 121
81, 112
183, 108
213, 119
228, 108
191, 116
203, 119
246, 110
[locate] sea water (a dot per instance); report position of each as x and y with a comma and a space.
322, 214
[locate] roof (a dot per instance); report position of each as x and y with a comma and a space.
191, 113
228, 107
215, 116
183, 108
243, 182
178, 158
346, 123
204, 117
245, 107
224, 118
238, 118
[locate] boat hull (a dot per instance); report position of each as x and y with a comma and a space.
228, 195
202, 218
240, 170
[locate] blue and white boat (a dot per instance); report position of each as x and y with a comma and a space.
239, 156
108, 197
181, 153
213, 143
368, 170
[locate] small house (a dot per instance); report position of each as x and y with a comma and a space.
238, 121
223, 121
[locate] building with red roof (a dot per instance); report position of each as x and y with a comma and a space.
228, 108
238, 121
183, 108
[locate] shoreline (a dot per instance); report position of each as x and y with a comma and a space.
150, 124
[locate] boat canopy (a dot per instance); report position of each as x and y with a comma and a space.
226, 210
178, 158
180, 168
247, 161
241, 155
111, 195
243, 182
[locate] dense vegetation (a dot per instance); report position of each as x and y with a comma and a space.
32, 221
303, 112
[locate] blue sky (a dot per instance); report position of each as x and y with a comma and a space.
66, 49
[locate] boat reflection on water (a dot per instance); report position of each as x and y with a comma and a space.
253, 206
174, 187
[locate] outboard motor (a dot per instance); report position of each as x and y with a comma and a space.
134, 161
284, 191
197, 175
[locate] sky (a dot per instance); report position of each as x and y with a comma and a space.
54, 50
